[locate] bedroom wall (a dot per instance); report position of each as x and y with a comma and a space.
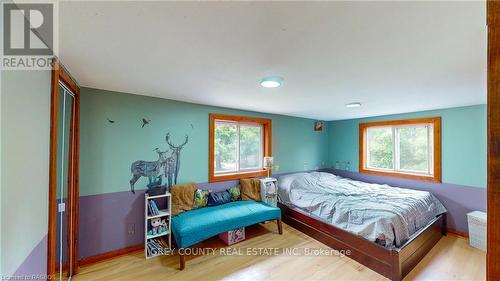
111, 217
25, 123
463, 186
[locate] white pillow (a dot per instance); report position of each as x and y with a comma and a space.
324, 176
284, 184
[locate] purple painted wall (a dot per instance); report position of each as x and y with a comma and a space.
34, 266
105, 222
218, 186
458, 199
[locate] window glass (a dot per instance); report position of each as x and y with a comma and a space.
380, 148
414, 147
226, 142
400, 148
250, 147
238, 147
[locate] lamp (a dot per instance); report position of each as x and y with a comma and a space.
268, 164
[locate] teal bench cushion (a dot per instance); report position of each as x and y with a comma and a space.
197, 225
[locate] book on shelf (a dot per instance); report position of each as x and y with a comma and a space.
156, 246
153, 208
149, 209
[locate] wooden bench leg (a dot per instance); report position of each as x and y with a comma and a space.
280, 227
182, 260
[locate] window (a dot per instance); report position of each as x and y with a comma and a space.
237, 146
403, 148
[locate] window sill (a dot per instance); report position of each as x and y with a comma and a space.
237, 176
401, 175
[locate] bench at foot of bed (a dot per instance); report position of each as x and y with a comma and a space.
197, 225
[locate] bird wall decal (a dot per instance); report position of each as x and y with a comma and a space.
145, 122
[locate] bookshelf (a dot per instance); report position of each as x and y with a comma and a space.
158, 210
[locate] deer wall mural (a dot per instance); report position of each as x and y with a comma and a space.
174, 162
167, 166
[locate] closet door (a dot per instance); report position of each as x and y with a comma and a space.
63, 186
65, 157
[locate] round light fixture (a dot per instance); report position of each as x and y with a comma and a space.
271, 82
353, 104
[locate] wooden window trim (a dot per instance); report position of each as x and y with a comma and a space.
436, 121
267, 131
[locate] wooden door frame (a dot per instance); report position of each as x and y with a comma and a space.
60, 74
493, 244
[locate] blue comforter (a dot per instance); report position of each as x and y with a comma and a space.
380, 213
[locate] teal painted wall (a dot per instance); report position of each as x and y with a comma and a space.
109, 149
463, 142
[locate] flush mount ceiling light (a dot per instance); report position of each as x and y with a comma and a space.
353, 104
271, 82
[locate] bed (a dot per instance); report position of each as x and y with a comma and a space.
385, 228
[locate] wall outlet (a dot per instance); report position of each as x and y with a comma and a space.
306, 167
131, 228
277, 167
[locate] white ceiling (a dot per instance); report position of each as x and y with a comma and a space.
392, 57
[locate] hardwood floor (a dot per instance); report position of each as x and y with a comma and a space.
451, 259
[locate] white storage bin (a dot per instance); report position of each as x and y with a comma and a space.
477, 229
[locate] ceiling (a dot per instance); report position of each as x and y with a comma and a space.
393, 57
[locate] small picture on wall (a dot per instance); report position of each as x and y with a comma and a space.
318, 126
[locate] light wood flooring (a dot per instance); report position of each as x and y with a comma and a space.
451, 259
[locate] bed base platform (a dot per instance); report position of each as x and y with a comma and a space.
391, 263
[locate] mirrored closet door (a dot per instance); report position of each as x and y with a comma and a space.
64, 224
63, 187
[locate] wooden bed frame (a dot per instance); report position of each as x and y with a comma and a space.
392, 263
